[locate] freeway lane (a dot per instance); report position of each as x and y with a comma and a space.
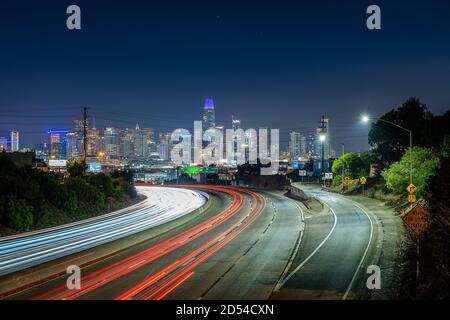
155, 244
248, 245
161, 206
122, 270
250, 265
165, 281
239, 234
336, 250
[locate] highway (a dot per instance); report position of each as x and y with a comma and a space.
247, 244
337, 246
160, 206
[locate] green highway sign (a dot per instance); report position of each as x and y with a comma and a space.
192, 170
210, 170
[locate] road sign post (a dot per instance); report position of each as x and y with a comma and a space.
417, 219
411, 190
347, 181
302, 173
363, 181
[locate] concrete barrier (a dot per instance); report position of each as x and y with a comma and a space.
296, 193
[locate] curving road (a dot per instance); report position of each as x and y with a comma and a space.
335, 250
160, 206
247, 244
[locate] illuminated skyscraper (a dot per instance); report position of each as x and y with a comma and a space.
209, 116
140, 142
164, 145
78, 126
297, 145
111, 142
93, 142
150, 141
126, 140
57, 144
72, 146
14, 141
323, 130
235, 125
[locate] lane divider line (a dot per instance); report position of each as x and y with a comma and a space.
294, 253
365, 252
312, 253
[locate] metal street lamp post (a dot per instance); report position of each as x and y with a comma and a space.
366, 119
322, 139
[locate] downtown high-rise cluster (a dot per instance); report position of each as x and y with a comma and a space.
117, 145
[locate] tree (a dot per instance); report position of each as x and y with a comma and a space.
102, 182
70, 203
124, 180
6, 165
85, 192
435, 250
355, 166
445, 147
76, 168
436, 130
390, 142
424, 164
19, 214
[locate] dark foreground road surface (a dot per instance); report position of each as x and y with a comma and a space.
247, 245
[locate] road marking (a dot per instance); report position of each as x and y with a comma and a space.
365, 252
283, 282
293, 255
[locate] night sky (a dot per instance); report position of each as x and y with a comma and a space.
271, 63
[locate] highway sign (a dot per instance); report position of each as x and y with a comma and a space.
57, 163
411, 198
347, 180
411, 188
302, 173
363, 180
418, 219
210, 170
328, 175
192, 170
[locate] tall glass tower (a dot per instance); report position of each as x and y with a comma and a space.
14, 140
209, 116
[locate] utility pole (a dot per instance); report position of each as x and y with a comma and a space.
85, 136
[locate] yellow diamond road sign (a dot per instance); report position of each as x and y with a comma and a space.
411, 188
418, 219
363, 180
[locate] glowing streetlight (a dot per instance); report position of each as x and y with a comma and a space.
322, 139
366, 119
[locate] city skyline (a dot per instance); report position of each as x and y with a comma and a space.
97, 137
235, 157
278, 71
94, 132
